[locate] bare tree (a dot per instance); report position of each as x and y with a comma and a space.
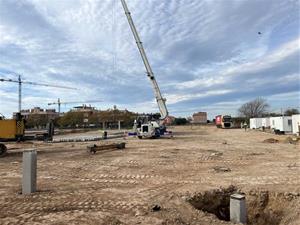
254, 108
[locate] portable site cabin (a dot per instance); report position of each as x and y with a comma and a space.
255, 123
281, 123
296, 124
265, 122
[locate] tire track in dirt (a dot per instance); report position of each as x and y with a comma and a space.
18, 211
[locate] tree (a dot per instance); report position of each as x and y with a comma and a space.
180, 121
254, 108
37, 121
290, 112
71, 119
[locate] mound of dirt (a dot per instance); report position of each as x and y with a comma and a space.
271, 140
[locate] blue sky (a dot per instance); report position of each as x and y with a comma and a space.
207, 55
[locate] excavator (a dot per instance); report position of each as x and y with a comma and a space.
149, 125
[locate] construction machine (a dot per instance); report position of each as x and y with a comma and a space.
13, 130
148, 125
224, 121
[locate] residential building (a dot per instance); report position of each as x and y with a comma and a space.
200, 117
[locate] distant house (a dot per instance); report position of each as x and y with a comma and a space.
199, 117
86, 110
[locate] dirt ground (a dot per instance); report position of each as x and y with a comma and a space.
188, 178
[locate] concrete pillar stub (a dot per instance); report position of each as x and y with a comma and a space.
29, 171
238, 212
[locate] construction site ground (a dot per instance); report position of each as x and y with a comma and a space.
177, 180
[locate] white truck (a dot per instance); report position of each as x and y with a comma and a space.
148, 125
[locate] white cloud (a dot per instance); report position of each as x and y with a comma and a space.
199, 50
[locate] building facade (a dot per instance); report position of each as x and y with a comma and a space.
200, 117
51, 114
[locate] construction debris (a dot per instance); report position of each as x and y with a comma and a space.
94, 148
96, 138
292, 140
223, 169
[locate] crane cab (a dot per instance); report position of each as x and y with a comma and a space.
148, 126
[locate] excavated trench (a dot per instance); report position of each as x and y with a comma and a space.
263, 208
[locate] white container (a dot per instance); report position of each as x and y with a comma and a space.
265, 122
255, 123
296, 123
281, 123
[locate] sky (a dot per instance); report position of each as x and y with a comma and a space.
207, 55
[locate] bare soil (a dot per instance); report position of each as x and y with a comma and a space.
183, 180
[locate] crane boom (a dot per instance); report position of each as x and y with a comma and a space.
161, 102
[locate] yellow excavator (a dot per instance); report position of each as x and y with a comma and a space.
13, 130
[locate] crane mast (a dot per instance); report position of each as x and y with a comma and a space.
158, 96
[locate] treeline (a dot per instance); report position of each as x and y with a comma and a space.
109, 118
71, 119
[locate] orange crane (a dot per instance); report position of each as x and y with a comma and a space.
58, 103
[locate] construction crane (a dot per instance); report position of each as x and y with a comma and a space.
147, 126
20, 82
14, 129
58, 103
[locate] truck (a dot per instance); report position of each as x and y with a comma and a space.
224, 121
148, 126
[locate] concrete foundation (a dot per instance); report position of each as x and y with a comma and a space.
29, 171
238, 212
